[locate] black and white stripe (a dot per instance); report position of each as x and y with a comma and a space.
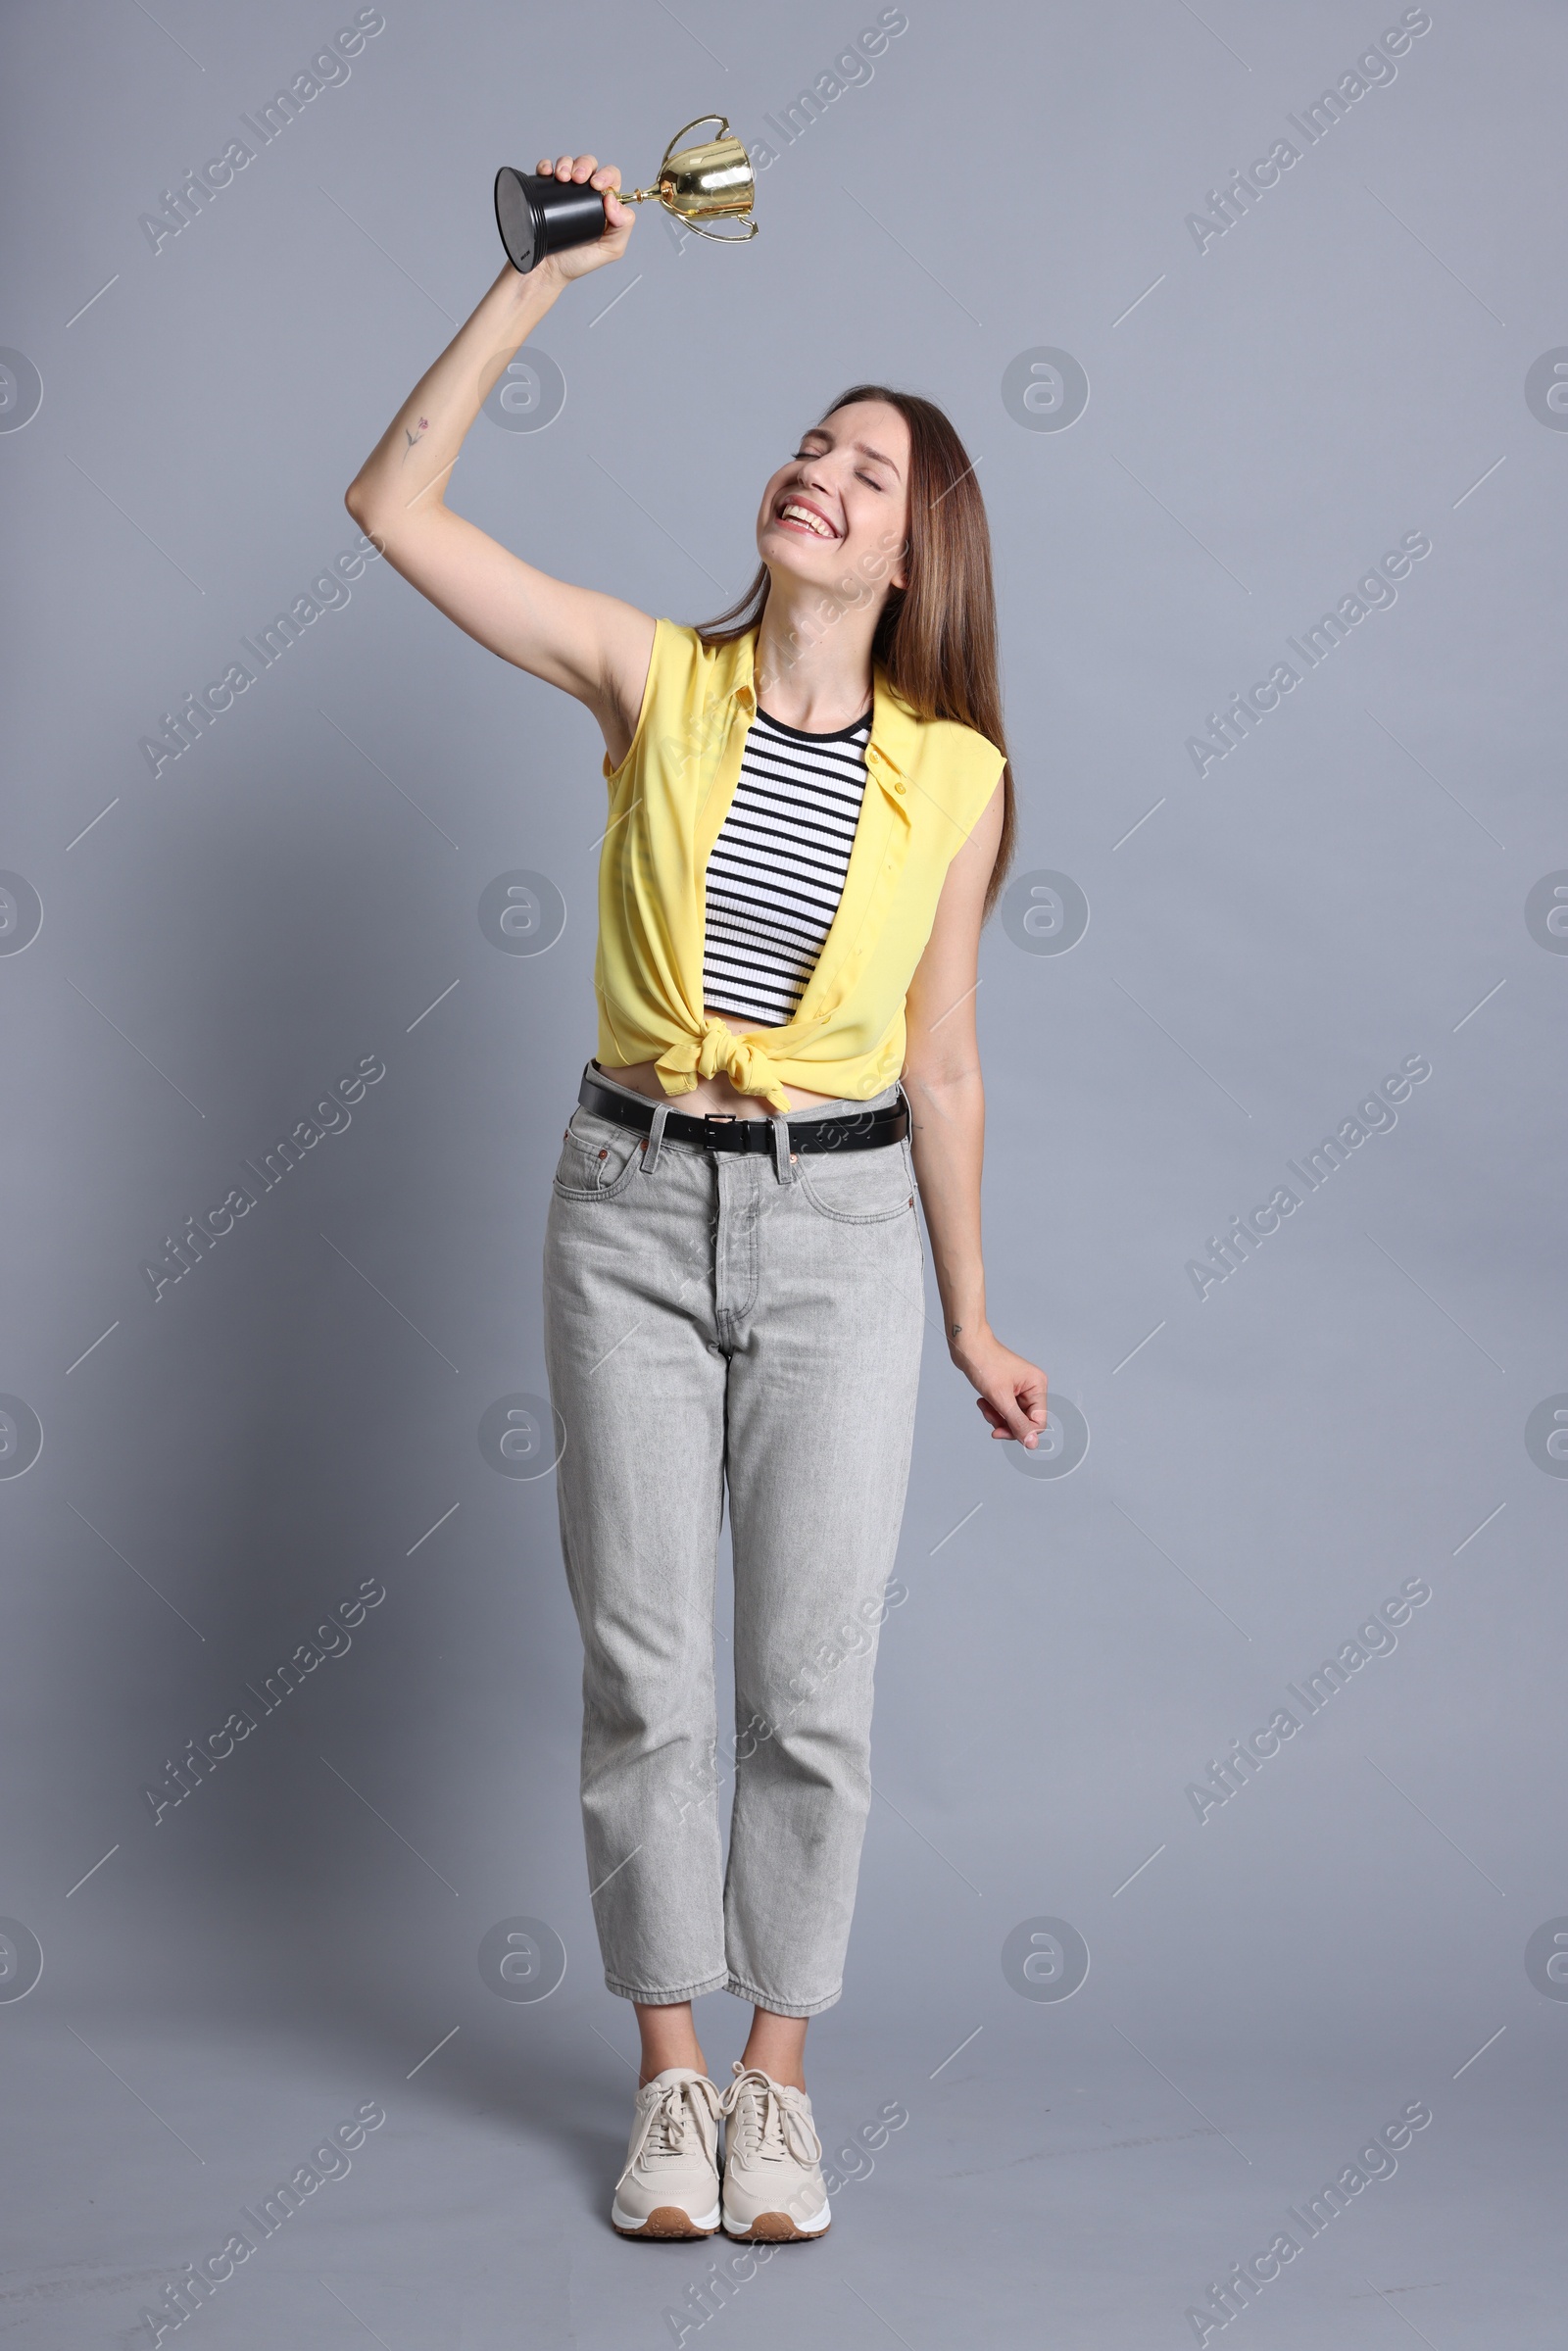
776, 872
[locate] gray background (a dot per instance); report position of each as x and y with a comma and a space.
1343, 366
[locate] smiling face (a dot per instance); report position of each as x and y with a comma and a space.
838, 511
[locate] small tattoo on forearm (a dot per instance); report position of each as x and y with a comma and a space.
956, 1328
415, 438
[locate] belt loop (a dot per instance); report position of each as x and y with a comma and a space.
656, 1139
782, 1164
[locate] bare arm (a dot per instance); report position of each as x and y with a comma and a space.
594, 647
947, 1096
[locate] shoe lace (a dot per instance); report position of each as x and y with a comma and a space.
768, 2120
673, 2121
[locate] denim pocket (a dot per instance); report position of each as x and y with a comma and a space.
598, 1158
869, 1187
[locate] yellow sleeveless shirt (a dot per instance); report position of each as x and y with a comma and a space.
927, 782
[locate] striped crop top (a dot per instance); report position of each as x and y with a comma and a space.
776, 871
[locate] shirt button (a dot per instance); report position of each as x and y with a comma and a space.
897, 784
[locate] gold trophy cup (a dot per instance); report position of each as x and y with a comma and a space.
696, 185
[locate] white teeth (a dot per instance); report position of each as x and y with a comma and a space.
792, 512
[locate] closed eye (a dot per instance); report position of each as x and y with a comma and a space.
869, 479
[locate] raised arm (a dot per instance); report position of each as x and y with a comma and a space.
947, 1097
594, 647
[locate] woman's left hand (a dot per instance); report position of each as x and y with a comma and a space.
1011, 1391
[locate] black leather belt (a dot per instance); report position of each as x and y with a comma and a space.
728, 1130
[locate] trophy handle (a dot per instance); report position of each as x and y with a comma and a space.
723, 131
699, 232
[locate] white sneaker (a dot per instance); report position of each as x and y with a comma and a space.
671, 2185
773, 2160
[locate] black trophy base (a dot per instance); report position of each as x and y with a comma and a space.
538, 216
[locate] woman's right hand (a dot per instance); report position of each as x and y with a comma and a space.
619, 219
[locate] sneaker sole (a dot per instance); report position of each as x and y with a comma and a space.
774, 2228
665, 2221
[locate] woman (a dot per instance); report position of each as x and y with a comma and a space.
810, 815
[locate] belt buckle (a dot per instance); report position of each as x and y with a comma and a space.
716, 1118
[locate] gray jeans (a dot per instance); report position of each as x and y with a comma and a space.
714, 1321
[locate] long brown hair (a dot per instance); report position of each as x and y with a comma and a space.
937, 638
